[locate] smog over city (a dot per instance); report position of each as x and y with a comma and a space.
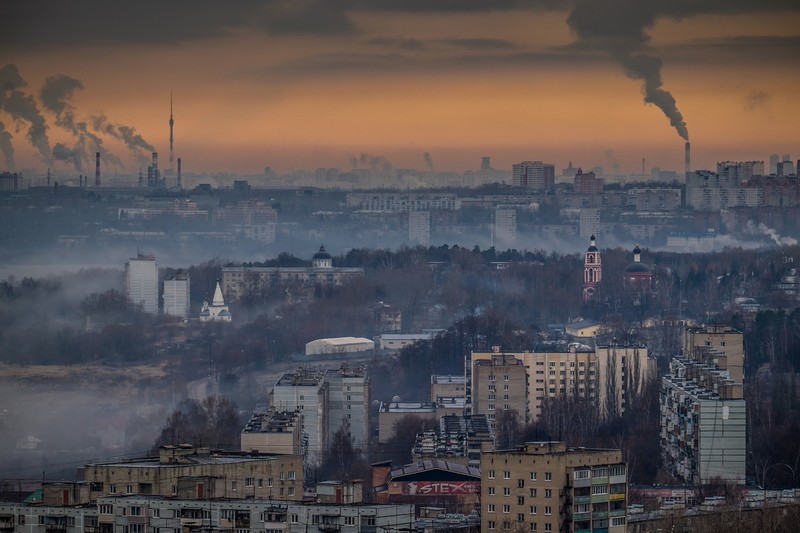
281, 252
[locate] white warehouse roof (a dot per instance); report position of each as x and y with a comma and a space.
339, 345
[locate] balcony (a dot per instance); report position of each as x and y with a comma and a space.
581, 516
599, 514
620, 496
582, 499
330, 528
617, 512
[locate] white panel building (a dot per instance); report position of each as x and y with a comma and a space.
141, 282
176, 294
419, 227
339, 345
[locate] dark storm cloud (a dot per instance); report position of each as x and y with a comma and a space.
46, 23
400, 43
481, 44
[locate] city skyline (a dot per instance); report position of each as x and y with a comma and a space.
317, 84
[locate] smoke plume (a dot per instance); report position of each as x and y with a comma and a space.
615, 167
428, 160
56, 96
376, 163
135, 142
74, 155
22, 108
763, 229
6, 147
620, 30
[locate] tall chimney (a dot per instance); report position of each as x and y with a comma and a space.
97, 169
48, 177
154, 168
688, 159
180, 185
643, 165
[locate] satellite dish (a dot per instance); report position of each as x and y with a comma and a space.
395, 398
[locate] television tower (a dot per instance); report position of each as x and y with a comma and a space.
171, 124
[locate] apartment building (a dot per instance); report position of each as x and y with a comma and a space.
190, 472
500, 383
176, 294
141, 282
141, 514
609, 374
274, 432
547, 486
349, 400
703, 411
305, 390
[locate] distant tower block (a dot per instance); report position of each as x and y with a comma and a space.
171, 124
486, 163
180, 183
97, 169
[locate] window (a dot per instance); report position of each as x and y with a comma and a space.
490, 508
533, 493
293, 519
548, 510
618, 470
533, 476
291, 491
106, 509
128, 489
490, 473
491, 407
506, 474
282, 476
505, 378
520, 517
581, 474
349, 520
136, 528
506, 491
618, 521
599, 489
269, 482
234, 485
492, 524
135, 510
249, 481
96, 487
291, 474
533, 526
491, 491
260, 483
548, 493
174, 490
506, 508
520, 483
112, 489
548, 476
532, 509
280, 491
505, 387
520, 500
548, 527
492, 396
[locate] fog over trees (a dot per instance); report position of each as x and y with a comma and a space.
477, 298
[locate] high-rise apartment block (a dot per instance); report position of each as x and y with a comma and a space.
419, 227
703, 411
588, 183
546, 486
500, 383
505, 226
176, 294
141, 282
326, 399
609, 374
534, 175
349, 400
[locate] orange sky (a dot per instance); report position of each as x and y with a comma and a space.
457, 85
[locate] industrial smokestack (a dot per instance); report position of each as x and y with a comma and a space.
688, 159
643, 166
48, 177
96, 169
180, 185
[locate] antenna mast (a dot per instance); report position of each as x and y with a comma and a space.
171, 124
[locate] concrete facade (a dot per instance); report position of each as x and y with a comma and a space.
545, 486
141, 282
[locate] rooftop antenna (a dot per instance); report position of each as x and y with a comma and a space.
171, 124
